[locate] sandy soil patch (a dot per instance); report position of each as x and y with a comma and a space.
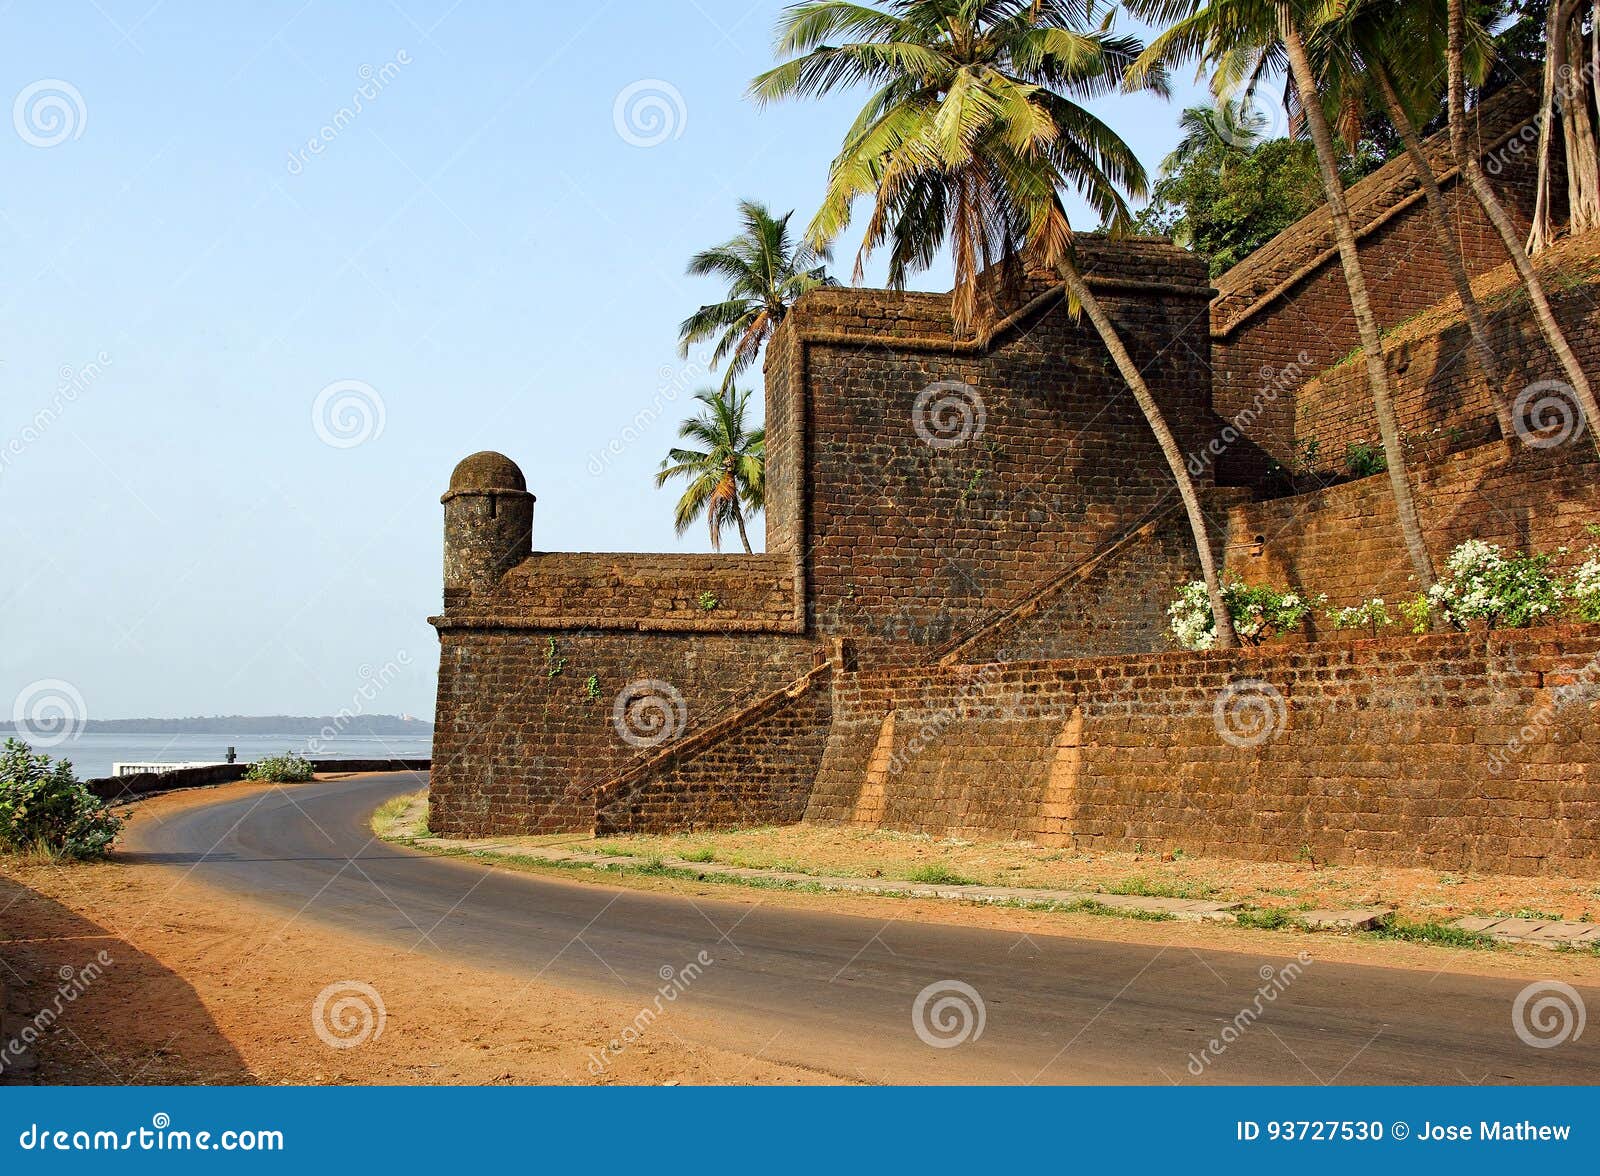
204, 987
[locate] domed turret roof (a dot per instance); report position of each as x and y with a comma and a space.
487, 470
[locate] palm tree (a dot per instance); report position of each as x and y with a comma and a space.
1231, 121
1394, 50
1472, 166
728, 476
973, 129
766, 273
1249, 39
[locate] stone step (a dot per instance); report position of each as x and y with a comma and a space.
1545, 932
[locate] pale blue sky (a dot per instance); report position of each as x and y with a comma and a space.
478, 245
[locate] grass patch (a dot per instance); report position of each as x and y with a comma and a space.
1268, 919
938, 874
1441, 934
701, 855
389, 821
1144, 888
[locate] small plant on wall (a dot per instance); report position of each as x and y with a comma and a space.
1259, 613
554, 662
1371, 615
707, 601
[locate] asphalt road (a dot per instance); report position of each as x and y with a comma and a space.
837, 993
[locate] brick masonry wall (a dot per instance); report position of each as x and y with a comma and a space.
1264, 317
1457, 752
586, 589
912, 543
758, 773
1442, 399
1345, 541
518, 749
1117, 604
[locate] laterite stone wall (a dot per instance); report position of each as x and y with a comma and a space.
520, 743
938, 485
1345, 541
1287, 306
1455, 752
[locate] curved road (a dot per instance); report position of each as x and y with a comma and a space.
836, 992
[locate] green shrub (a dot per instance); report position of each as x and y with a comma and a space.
44, 806
1363, 460
288, 768
1371, 615
1259, 612
1482, 583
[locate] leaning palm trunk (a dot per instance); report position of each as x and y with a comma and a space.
1360, 304
738, 517
1084, 297
1437, 214
1467, 159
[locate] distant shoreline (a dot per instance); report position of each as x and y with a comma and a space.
340, 726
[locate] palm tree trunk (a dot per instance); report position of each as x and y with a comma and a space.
1360, 304
1080, 292
1467, 159
738, 517
1437, 213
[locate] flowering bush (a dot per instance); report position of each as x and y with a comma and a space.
1258, 613
1585, 589
44, 806
1482, 583
287, 768
1371, 615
